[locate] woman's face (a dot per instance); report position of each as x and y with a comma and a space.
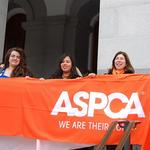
120, 62
14, 59
66, 65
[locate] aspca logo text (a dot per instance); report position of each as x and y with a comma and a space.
87, 108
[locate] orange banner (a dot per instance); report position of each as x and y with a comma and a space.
75, 110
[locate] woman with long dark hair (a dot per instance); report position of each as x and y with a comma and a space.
15, 64
121, 64
66, 69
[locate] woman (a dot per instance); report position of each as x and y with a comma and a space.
66, 69
121, 64
15, 64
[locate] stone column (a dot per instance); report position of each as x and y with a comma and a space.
54, 42
70, 36
3, 18
35, 45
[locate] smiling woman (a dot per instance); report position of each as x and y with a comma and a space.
15, 64
121, 64
66, 69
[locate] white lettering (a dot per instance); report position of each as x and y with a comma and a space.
92, 102
134, 100
64, 124
121, 113
86, 104
64, 98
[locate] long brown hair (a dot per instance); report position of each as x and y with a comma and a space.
21, 70
128, 68
58, 73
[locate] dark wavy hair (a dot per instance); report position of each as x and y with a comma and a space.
21, 70
58, 74
128, 68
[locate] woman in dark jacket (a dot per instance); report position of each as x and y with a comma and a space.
66, 69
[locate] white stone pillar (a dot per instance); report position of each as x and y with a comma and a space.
3, 18
125, 26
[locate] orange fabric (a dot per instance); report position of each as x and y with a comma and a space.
115, 72
27, 108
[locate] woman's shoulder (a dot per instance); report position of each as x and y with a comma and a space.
55, 76
29, 73
2, 73
1, 70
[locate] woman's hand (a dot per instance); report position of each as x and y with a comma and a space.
41, 79
92, 75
